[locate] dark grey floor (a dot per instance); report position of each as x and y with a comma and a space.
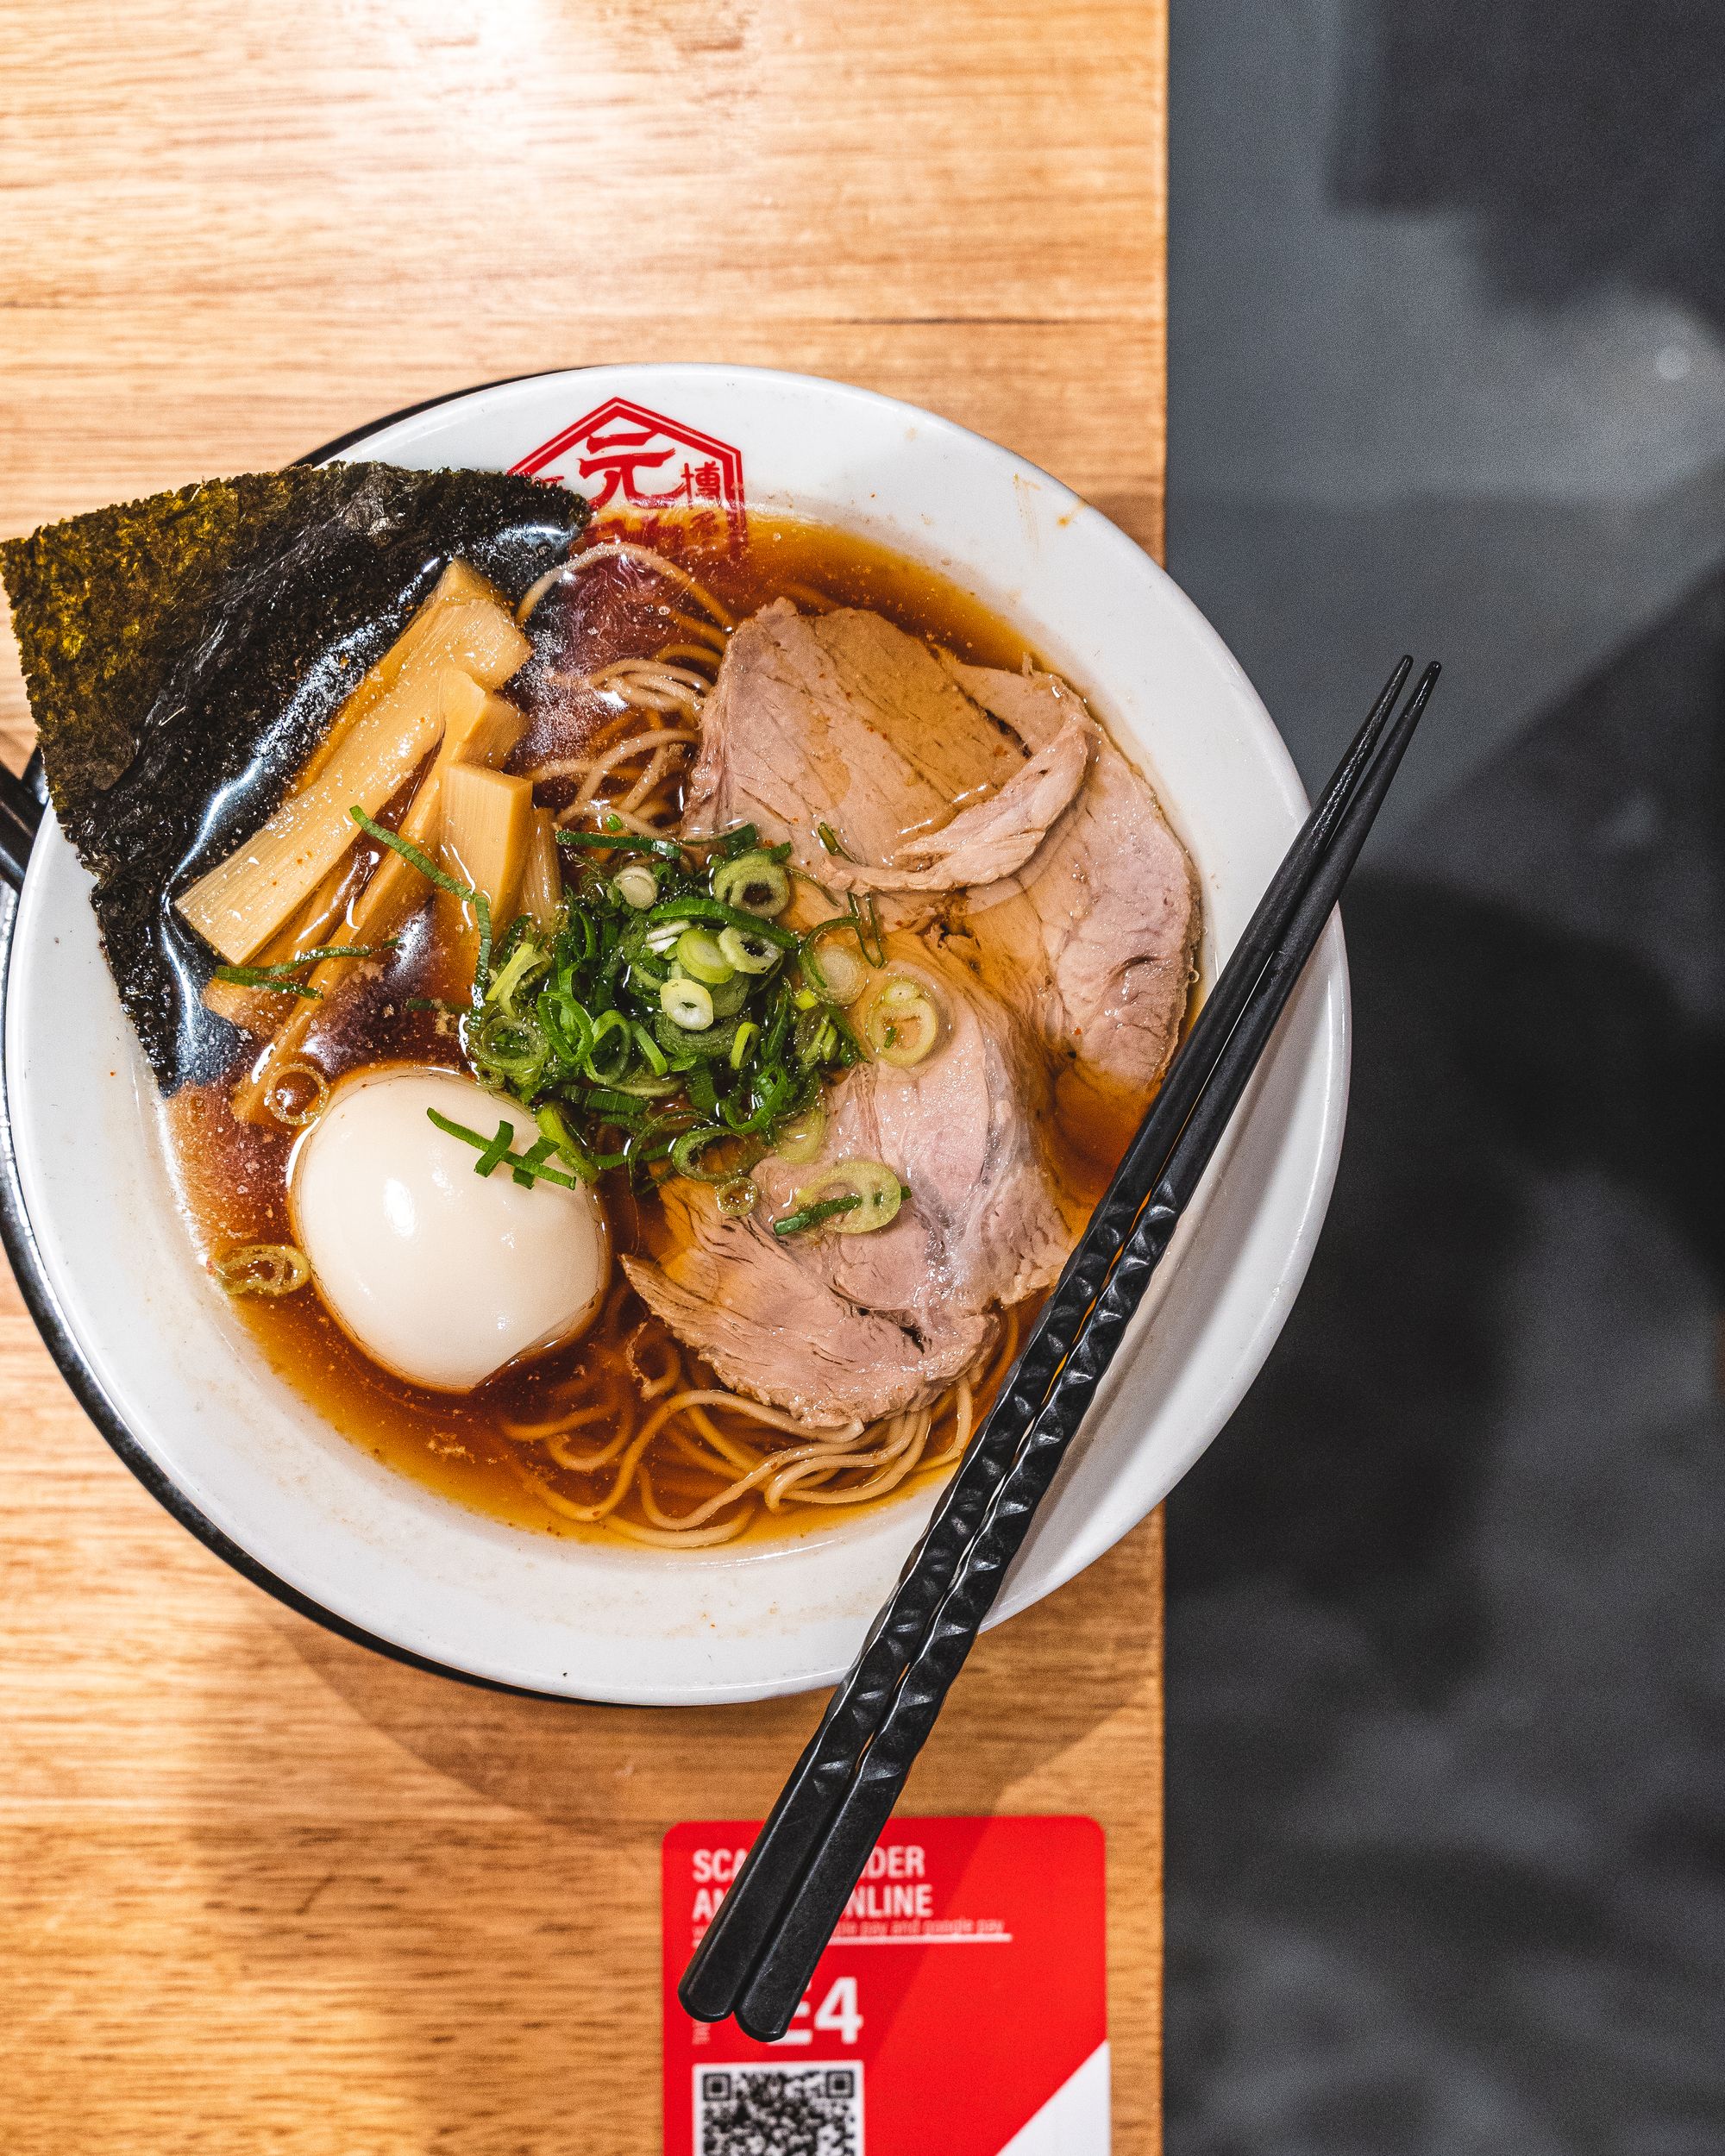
1447, 1722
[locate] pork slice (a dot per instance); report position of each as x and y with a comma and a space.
774, 1328
1094, 940
992, 838
832, 1326
845, 720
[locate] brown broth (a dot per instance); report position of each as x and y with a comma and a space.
232, 1176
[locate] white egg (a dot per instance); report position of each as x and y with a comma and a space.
441, 1275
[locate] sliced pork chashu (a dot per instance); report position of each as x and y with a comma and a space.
830, 1326
1095, 940
987, 800
844, 721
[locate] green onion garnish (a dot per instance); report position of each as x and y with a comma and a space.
624, 841
497, 1151
812, 1215
278, 979
529, 1167
417, 858
695, 907
569, 1020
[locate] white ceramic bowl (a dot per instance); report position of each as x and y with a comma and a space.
139, 1326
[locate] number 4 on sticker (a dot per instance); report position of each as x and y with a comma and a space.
837, 2013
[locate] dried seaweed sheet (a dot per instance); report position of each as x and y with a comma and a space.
184, 653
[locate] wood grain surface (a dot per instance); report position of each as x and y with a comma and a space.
260, 1889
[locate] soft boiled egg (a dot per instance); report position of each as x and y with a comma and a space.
442, 1276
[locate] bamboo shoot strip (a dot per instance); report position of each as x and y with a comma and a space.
245, 900
239, 905
465, 624
282, 979
477, 726
488, 832
428, 869
322, 915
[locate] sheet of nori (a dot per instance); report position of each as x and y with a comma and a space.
184, 653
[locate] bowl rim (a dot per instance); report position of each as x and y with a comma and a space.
18, 1236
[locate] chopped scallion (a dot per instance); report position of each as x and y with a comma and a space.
812, 1215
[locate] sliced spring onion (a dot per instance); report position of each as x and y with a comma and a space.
415, 855
729, 996
901, 1023
693, 907
636, 884
800, 1140
701, 959
526, 963
650, 1048
744, 839
815, 1216
687, 1004
613, 1049
568, 1148
626, 842
588, 1013
869, 930
263, 1268
280, 1105
849, 1049
511, 1052
703, 1045
639, 1089
876, 1187
527, 1167
280, 979
494, 1151
837, 974
497, 1151
257, 977
613, 1100
752, 883
746, 950
417, 858
565, 1023
738, 1198
687, 1150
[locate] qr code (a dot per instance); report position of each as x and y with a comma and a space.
801, 2111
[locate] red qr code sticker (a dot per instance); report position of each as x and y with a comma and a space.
962, 2005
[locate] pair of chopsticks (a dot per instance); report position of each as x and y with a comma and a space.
759, 1953
21, 815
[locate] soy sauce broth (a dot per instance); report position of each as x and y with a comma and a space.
232, 1176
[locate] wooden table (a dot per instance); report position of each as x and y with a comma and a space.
259, 1889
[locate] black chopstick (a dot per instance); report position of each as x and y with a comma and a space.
806, 1921
21, 814
732, 1946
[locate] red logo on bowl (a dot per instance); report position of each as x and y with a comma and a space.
662, 479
